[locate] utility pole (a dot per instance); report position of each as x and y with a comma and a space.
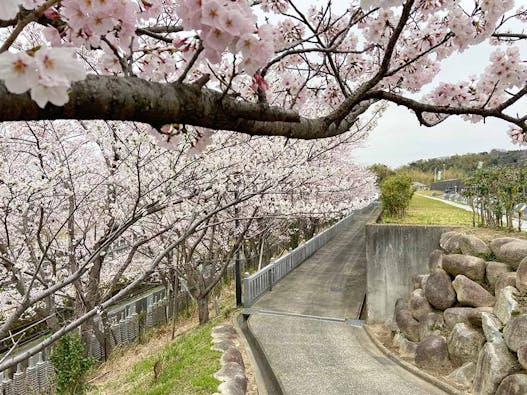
237, 271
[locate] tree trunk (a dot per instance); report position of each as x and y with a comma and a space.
203, 308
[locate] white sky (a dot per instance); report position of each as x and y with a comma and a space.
398, 138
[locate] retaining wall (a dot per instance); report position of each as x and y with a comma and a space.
394, 254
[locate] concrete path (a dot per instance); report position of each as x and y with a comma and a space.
306, 327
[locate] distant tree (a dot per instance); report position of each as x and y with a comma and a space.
396, 193
381, 172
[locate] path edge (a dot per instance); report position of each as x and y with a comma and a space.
266, 380
411, 368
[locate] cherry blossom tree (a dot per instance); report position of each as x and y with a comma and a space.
269, 67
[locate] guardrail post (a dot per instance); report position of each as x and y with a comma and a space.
246, 290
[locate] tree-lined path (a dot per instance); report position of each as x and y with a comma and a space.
307, 330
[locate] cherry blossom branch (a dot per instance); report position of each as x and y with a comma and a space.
422, 108
513, 36
26, 20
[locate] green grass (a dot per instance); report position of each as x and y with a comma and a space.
425, 211
185, 366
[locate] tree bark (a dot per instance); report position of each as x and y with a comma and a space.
203, 308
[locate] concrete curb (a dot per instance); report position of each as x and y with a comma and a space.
266, 380
260, 382
411, 368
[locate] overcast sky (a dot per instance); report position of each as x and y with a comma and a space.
398, 138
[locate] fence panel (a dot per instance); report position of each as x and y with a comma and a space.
256, 284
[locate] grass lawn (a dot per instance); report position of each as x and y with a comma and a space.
426, 211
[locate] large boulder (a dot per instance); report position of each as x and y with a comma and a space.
406, 347
466, 315
521, 276
418, 304
505, 280
522, 355
494, 270
450, 242
439, 291
492, 327
431, 325
475, 316
418, 280
515, 332
435, 260
470, 266
407, 324
455, 315
511, 252
455, 243
464, 344
495, 362
464, 375
496, 244
470, 293
471, 245
515, 384
506, 304
432, 353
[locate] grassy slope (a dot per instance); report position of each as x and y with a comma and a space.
426, 211
186, 363
185, 366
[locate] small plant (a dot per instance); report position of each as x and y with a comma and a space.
489, 256
71, 365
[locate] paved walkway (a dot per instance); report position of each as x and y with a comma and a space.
306, 327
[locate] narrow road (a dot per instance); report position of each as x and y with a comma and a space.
308, 329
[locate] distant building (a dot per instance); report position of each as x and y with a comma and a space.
453, 185
419, 185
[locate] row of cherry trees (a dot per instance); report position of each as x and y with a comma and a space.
89, 211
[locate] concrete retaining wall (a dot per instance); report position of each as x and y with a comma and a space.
394, 254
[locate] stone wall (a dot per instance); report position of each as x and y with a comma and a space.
467, 318
394, 254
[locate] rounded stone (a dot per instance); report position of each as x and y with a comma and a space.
464, 344
470, 266
439, 291
515, 332
418, 304
515, 384
494, 270
435, 260
470, 293
521, 276
512, 252
522, 354
432, 353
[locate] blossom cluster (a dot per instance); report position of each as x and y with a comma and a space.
227, 25
90, 20
46, 72
10, 8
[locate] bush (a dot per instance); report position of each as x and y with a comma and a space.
71, 365
396, 193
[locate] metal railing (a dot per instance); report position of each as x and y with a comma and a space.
256, 284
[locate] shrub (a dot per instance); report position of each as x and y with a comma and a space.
396, 193
71, 365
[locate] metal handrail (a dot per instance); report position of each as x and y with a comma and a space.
256, 284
